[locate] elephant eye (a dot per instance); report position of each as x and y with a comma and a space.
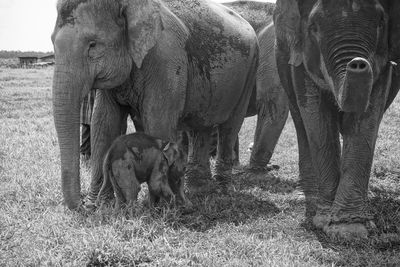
92, 44
95, 50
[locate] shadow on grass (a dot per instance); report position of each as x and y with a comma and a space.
99, 257
386, 210
247, 202
234, 208
384, 237
268, 181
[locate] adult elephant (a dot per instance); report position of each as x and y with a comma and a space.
181, 65
271, 103
336, 63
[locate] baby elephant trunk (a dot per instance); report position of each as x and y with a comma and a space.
356, 90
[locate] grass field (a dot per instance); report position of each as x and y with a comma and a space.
261, 224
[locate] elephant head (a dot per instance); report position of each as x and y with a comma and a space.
344, 45
96, 44
176, 158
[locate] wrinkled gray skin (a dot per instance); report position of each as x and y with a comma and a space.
334, 61
270, 104
182, 65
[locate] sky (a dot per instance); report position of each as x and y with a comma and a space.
26, 25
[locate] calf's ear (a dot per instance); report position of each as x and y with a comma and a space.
170, 152
394, 31
394, 48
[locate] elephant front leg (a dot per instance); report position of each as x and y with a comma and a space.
308, 180
349, 216
349, 213
320, 121
106, 126
307, 175
198, 173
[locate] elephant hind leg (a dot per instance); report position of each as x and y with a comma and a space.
198, 173
223, 165
126, 186
272, 116
229, 130
214, 144
227, 151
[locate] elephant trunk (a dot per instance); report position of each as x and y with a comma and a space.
66, 107
354, 94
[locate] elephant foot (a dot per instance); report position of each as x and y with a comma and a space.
311, 206
346, 231
187, 207
223, 175
236, 163
273, 167
262, 168
343, 225
91, 198
323, 216
105, 200
321, 220
93, 201
198, 179
89, 205
224, 182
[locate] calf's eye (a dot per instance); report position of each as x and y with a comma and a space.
92, 44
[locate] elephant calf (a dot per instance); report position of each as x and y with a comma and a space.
137, 158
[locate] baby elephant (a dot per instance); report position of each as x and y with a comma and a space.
137, 158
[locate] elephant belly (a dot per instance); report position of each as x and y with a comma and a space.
212, 100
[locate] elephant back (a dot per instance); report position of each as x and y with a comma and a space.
258, 14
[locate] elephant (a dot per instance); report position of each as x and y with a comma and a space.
337, 63
136, 158
271, 103
178, 65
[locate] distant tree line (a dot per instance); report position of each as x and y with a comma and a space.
14, 54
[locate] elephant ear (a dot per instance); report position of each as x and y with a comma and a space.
394, 31
144, 27
170, 152
287, 20
394, 48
